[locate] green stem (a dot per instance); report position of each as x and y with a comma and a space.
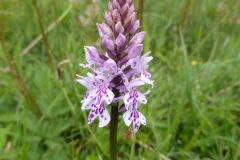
45, 40
113, 131
132, 146
140, 10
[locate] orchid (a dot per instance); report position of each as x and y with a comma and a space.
119, 71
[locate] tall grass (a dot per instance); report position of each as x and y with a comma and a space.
193, 112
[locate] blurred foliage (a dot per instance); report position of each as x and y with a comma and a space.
193, 112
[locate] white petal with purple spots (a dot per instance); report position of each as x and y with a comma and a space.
92, 115
104, 117
136, 117
147, 78
127, 117
142, 98
88, 98
102, 113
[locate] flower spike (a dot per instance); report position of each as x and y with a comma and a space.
117, 73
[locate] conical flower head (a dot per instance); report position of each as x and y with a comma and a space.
120, 71
119, 33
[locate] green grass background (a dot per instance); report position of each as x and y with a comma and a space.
193, 112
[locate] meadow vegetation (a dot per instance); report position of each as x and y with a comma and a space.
193, 112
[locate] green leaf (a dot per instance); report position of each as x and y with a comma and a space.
8, 116
3, 137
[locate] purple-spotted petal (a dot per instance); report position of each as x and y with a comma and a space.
109, 96
104, 117
88, 106
103, 94
126, 100
131, 100
88, 98
92, 115
102, 113
136, 117
147, 78
127, 117
136, 121
141, 98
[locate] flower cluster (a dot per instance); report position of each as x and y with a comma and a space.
118, 72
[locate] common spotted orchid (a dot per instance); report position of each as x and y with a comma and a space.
119, 71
